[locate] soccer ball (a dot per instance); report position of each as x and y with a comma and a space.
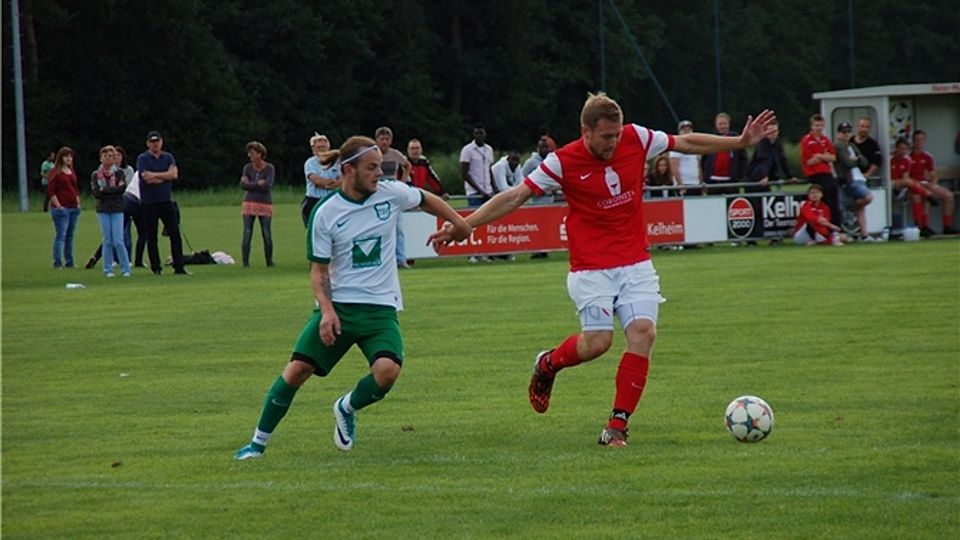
749, 419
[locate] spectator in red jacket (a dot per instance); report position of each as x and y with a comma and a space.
422, 174
813, 224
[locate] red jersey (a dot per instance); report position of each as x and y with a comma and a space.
810, 214
810, 145
64, 186
721, 166
922, 162
605, 226
899, 167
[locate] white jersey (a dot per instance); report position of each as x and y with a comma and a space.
689, 170
358, 240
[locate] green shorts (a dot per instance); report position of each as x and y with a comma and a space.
375, 329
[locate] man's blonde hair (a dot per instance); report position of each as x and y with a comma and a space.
599, 106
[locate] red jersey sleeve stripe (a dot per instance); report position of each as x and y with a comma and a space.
649, 139
670, 141
532, 185
551, 174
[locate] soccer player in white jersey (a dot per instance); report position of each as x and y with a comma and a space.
601, 175
351, 240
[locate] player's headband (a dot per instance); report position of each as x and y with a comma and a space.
358, 154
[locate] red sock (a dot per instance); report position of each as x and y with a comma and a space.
947, 221
564, 356
920, 215
631, 380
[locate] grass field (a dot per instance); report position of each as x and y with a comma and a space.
124, 402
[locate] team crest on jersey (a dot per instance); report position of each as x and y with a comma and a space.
382, 210
366, 251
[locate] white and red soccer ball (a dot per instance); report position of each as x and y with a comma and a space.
749, 419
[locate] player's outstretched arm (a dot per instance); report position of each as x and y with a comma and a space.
500, 205
702, 143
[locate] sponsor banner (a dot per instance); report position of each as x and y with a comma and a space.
762, 216
742, 218
533, 228
664, 221
780, 214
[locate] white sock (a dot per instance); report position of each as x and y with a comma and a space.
345, 404
261, 437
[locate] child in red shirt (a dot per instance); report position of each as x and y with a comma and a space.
813, 223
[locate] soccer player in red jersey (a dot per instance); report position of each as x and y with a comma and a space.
813, 222
900, 166
601, 175
924, 171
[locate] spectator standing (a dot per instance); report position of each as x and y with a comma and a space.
816, 156
422, 174
849, 162
396, 167
476, 161
108, 185
869, 147
45, 168
158, 171
320, 180
725, 167
256, 182
356, 290
476, 158
813, 221
686, 167
64, 196
900, 166
610, 268
769, 162
660, 175
924, 171
117, 162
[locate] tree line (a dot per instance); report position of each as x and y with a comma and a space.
214, 75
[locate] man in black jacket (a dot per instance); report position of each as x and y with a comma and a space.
769, 162
724, 167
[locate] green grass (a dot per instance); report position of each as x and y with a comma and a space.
855, 348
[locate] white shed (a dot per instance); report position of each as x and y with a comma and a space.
898, 111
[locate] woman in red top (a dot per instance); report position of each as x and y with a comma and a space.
813, 223
64, 206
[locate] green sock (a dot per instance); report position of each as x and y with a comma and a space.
275, 405
366, 392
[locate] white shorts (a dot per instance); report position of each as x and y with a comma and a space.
632, 292
803, 237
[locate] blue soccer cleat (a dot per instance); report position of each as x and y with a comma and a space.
249, 451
